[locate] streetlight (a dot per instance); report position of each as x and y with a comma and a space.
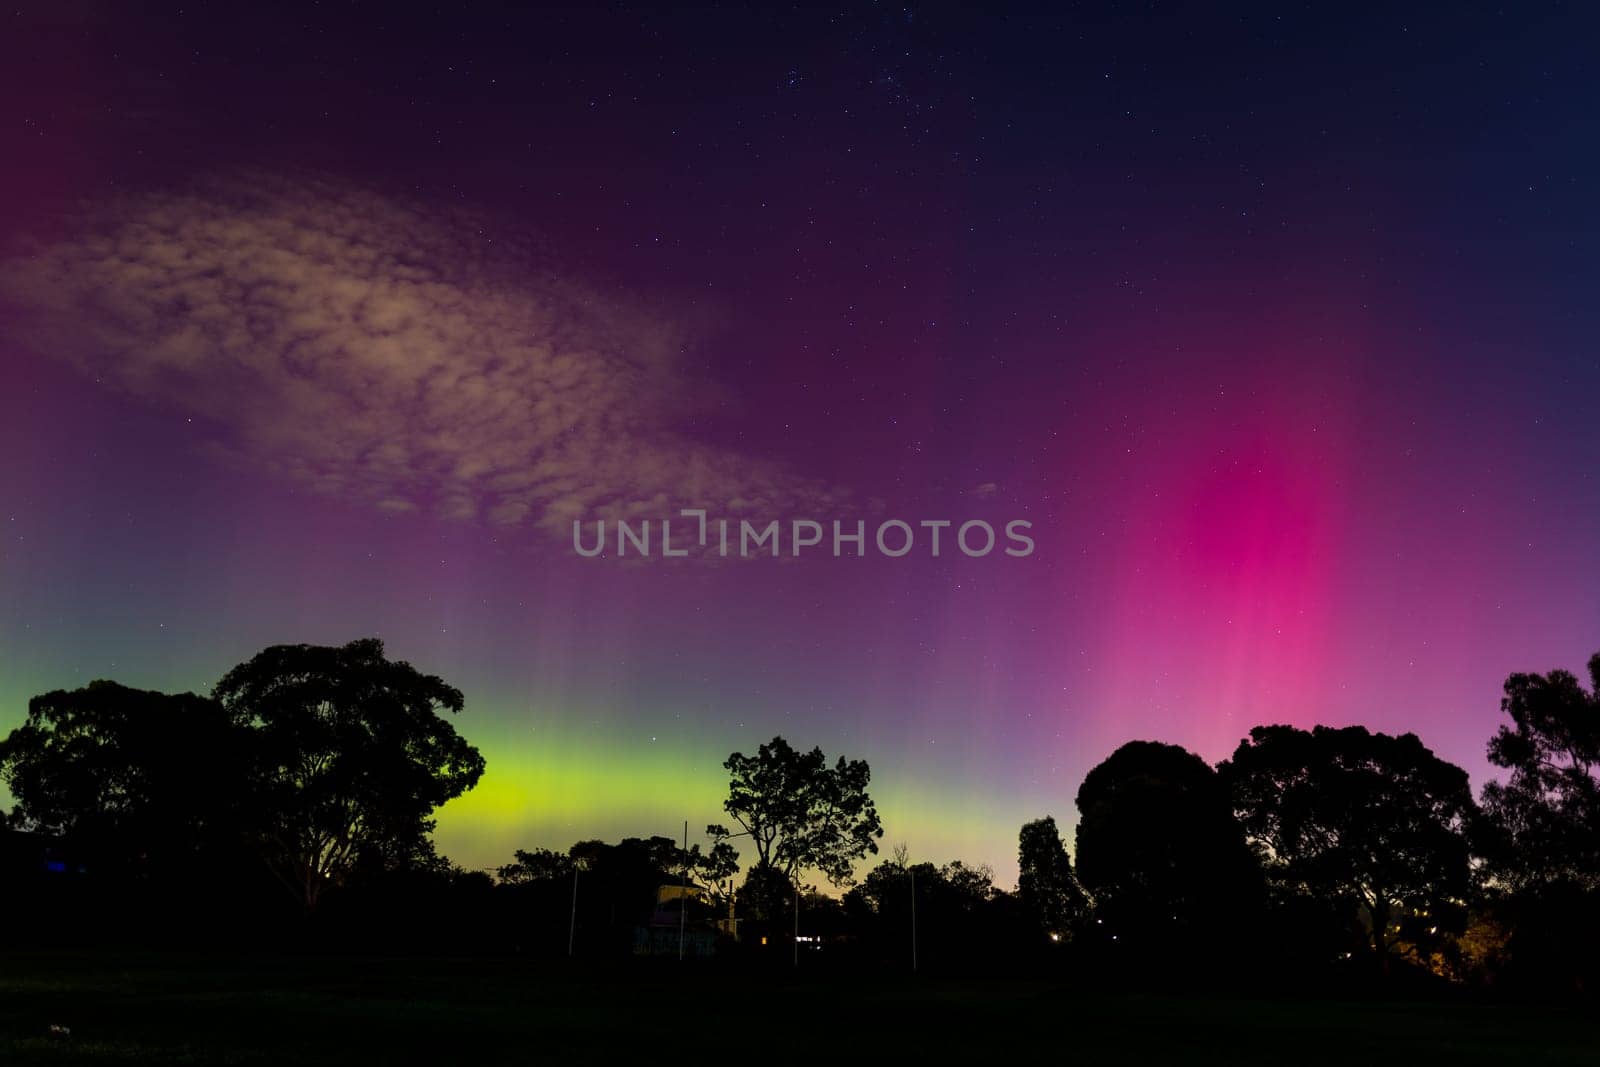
913, 872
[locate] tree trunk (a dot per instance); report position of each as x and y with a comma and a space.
1380, 911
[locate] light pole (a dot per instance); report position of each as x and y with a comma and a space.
683, 892
911, 871
572, 924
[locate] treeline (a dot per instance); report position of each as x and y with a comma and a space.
294, 804
307, 771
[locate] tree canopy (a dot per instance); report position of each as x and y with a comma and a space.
1048, 891
1547, 811
137, 777
1158, 846
350, 756
800, 813
136, 808
1342, 814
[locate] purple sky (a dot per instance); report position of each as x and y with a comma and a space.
1278, 328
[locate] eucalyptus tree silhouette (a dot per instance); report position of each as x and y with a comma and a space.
1543, 840
1547, 811
143, 783
350, 755
799, 813
1049, 892
1162, 855
1353, 818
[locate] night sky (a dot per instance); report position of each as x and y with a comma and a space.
1278, 323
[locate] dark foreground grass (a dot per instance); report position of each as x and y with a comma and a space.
185, 1009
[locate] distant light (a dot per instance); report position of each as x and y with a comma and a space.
1054, 936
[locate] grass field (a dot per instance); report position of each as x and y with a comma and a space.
190, 1010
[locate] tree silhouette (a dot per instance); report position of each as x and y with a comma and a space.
1345, 815
800, 813
621, 882
961, 918
765, 898
1547, 812
537, 866
351, 756
143, 781
1543, 839
717, 868
1160, 850
1048, 892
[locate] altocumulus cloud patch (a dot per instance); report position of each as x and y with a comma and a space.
406, 358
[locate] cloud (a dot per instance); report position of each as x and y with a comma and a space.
986, 490
405, 357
